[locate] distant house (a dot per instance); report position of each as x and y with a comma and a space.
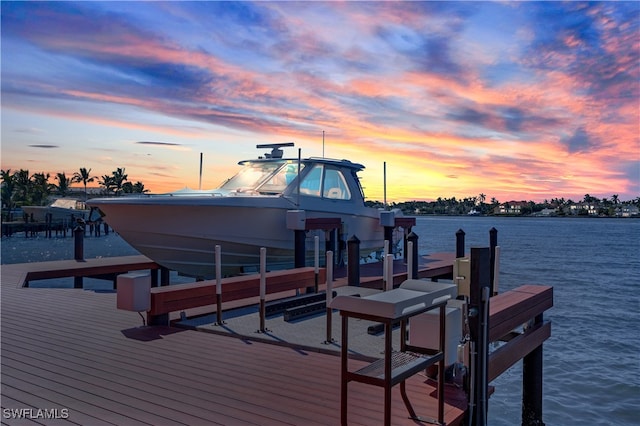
546, 212
511, 207
590, 208
628, 210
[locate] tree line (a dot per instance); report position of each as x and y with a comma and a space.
20, 188
478, 204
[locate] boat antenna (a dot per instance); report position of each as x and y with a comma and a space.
323, 144
384, 183
200, 181
299, 161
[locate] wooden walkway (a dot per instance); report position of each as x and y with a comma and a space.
72, 350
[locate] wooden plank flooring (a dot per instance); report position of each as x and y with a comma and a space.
72, 349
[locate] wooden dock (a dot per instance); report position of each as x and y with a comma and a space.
70, 354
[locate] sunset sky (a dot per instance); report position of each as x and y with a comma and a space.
515, 100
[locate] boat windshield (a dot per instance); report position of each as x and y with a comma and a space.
270, 177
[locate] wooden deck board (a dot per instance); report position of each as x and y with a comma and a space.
71, 348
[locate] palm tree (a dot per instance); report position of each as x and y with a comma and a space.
614, 198
134, 188
139, 188
8, 188
63, 183
41, 188
83, 176
107, 182
23, 183
118, 179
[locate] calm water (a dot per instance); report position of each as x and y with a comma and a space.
591, 361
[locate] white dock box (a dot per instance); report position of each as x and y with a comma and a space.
424, 331
134, 292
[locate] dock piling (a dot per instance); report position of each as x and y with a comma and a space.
78, 252
413, 239
460, 243
353, 261
493, 243
532, 385
479, 332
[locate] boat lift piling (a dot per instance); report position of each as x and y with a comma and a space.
329, 293
353, 261
410, 274
316, 262
218, 258
263, 289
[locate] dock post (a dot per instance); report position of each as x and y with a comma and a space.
49, 224
493, 243
353, 261
532, 385
479, 331
460, 243
164, 276
154, 277
413, 239
388, 279
300, 237
388, 222
78, 251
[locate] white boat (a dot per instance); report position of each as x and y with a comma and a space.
62, 210
180, 230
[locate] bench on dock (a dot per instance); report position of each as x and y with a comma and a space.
178, 297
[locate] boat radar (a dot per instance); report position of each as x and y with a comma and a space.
276, 152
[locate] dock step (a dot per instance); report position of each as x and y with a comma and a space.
300, 312
281, 305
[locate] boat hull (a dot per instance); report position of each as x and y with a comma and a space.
182, 234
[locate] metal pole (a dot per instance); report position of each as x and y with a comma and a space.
384, 183
200, 181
